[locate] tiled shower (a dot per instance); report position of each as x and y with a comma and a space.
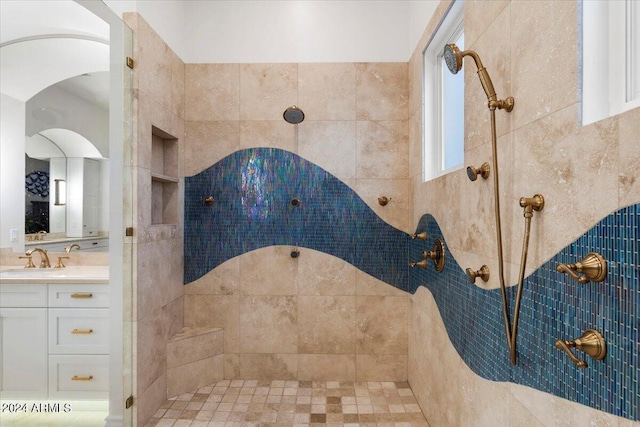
329, 314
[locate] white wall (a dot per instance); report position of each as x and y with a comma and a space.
297, 31
250, 31
420, 13
12, 166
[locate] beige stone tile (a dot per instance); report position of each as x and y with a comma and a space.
157, 282
268, 324
478, 16
416, 166
266, 90
192, 376
628, 182
177, 86
152, 113
275, 277
553, 410
152, 335
206, 143
382, 325
326, 324
193, 344
150, 399
269, 366
495, 52
324, 274
231, 366
574, 158
326, 367
478, 395
416, 75
217, 311
222, 280
382, 149
396, 212
212, 92
369, 285
540, 85
382, 91
330, 145
327, 91
153, 64
271, 134
381, 367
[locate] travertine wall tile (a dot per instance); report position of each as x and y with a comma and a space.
189, 377
382, 91
331, 145
327, 91
382, 149
215, 311
272, 272
268, 324
213, 91
381, 367
272, 134
326, 367
327, 324
208, 142
266, 90
382, 325
268, 366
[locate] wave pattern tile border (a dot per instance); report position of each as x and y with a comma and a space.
553, 306
253, 190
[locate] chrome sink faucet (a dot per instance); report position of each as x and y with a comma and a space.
44, 258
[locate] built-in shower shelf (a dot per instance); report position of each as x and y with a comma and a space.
163, 178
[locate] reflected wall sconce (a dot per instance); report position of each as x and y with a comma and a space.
60, 192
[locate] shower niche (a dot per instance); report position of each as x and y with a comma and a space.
164, 177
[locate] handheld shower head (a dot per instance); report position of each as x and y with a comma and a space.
453, 58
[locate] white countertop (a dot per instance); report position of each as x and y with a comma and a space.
73, 274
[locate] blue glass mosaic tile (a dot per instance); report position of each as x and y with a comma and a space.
253, 190
553, 306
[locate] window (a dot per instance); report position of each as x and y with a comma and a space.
610, 58
443, 100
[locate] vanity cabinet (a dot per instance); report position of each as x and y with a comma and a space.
55, 341
23, 345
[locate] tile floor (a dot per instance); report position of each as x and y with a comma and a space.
240, 403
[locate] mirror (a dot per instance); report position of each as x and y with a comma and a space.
54, 59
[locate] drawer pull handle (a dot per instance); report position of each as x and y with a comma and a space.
81, 295
82, 331
77, 378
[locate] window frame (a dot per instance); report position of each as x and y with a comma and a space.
450, 29
608, 88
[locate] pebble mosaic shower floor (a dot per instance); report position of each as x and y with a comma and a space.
293, 403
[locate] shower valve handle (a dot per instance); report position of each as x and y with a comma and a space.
591, 342
594, 267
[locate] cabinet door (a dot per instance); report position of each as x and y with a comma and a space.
23, 353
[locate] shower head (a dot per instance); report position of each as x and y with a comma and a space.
293, 115
453, 58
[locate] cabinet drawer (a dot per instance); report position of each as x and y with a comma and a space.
23, 295
78, 331
78, 377
78, 295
